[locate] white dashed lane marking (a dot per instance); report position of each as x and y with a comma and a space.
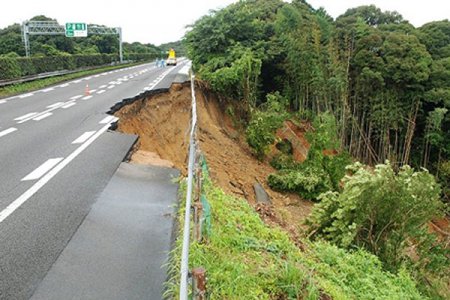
25, 116
42, 117
69, 105
55, 104
84, 137
7, 131
42, 169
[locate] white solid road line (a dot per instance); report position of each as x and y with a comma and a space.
159, 79
41, 117
2, 101
42, 169
101, 91
185, 70
63, 85
7, 131
26, 116
47, 90
47, 177
70, 104
108, 119
84, 137
55, 104
26, 95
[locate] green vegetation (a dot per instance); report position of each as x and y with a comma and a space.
264, 123
12, 68
57, 52
178, 46
246, 259
19, 88
385, 82
380, 210
373, 88
47, 45
319, 173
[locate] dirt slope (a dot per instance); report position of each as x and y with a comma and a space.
162, 122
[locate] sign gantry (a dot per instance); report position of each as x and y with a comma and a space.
69, 30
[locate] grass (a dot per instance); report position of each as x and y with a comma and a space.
246, 259
11, 90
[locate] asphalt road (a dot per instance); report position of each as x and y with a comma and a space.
56, 157
121, 249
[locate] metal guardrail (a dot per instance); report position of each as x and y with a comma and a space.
187, 217
52, 74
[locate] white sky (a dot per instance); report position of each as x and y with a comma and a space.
158, 21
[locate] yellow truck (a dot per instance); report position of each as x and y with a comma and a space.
172, 59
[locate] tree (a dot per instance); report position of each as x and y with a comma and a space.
230, 48
380, 210
11, 40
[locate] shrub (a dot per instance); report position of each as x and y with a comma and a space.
12, 67
9, 68
309, 181
444, 179
379, 210
26, 66
318, 173
264, 123
283, 161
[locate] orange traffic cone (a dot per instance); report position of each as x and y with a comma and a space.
87, 92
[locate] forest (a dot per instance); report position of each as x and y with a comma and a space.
374, 89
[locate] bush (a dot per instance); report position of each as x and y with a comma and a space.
378, 210
319, 172
264, 123
308, 181
9, 68
26, 66
283, 161
334, 166
444, 179
16, 67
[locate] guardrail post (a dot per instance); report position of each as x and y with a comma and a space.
197, 206
198, 213
199, 280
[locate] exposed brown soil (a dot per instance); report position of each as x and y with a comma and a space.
162, 122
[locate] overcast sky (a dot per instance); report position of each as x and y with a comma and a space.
160, 21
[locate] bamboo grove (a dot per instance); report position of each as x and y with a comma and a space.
386, 82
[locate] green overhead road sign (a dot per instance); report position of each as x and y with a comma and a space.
76, 30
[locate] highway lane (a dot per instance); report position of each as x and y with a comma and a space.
56, 156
